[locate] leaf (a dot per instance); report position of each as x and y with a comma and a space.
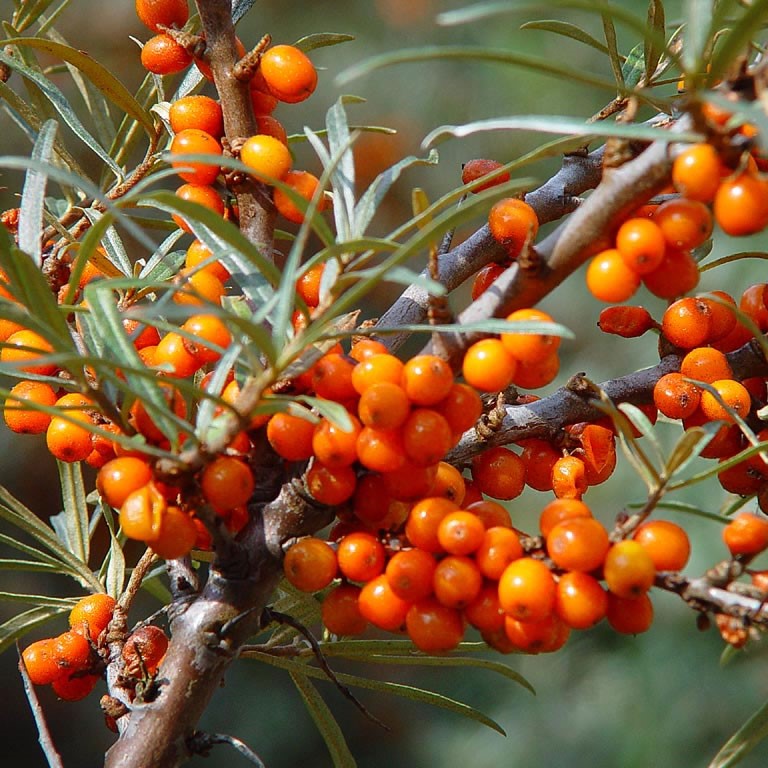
73, 520
30, 12
743, 741
613, 51
557, 124
8, 564
690, 509
651, 50
43, 557
18, 626
633, 70
690, 444
736, 39
566, 29
114, 564
64, 603
33, 195
698, 33
62, 106
325, 722
321, 40
332, 411
342, 162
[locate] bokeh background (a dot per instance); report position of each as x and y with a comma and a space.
662, 698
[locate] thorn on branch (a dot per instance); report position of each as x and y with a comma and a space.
201, 743
245, 69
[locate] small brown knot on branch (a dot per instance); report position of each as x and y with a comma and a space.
231, 148
245, 69
580, 385
112, 707
192, 43
491, 422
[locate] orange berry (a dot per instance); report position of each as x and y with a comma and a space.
457, 581
460, 533
198, 288
381, 450
685, 224
308, 285
310, 564
341, 611
512, 223
462, 407
474, 170
666, 542
410, 574
267, 158
174, 353
578, 544
580, 601
162, 55
488, 365
746, 534
484, 612
210, 332
381, 606
120, 477
629, 616
383, 405
499, 547
697, 171
449, 483
427, 379
536, 375
305, 185
754, 301
411, 481
75, 687
72, 651
527, 590
334, 446
641, 244
200, 112
23, 419
68, 441
193, 141
332, 378
201, 194
424, 520
270, 126
609, 278
529, 347
485, 278
226, 483
142, 512
569, 480
559, 510
263, 103
288, 73
144, 422
199, 255
539, 457
205, 68
542, 636
23, 348
377, 369
628, 569
490, 512
735, 399
741, 205
675, 397
162, 13
361, 556
687, 322
290, 436
363, 349
41, 662
706, 364
723, 320
426, 437
92, 614
433, 627
144, 650
499, 472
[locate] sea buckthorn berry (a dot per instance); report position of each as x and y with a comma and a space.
377, 369
723, 321
628, 569
68, 441
305, 185
8, 327
144, 650
143, 421
536, 375
193, 141
485, 278
267, 125
580, 600
559, 510
609, 278
473, 495
310, 564
687, 323
666, 542
92, 614
513, 223
741, 204
697, 172
539, 456
490, 512
424, 520
754, 301
142, 512
410, 573
333, 446
427, 379
290, 436
162, 13
449, 483
267, 158
174, 354
361, 556
201, 256
742, 479
21, 418
120, 477
460, 533
364, 349
678, 274
210, 332
427, 437
288, 73
308, 285
198, 288
499, 472
629, 616
72, 651
383, 405
25, 351
569, 480
578, 544
380, 450
227, 482
542, 636
74, 687
381, 606
202, 63
332, 378
340, 611
41, 661
162, 55
626, 321
598, 452
462, 407
411, 481
746, 534
499, 547
735, 398
706, 364
200, 112
529, 347
433, 627
527, 590
684, 223
477, 171
641, 244
457, 581
201, 194
675, 397
484, 612
263, 103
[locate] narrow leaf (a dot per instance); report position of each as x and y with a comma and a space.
325, 722
633, 70
321, 40
18, 626
736, 39
743, 741
74, 517
613, 51
651, 50
698, 34
691, 443
566, 29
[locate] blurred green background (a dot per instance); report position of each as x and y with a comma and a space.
660, 699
